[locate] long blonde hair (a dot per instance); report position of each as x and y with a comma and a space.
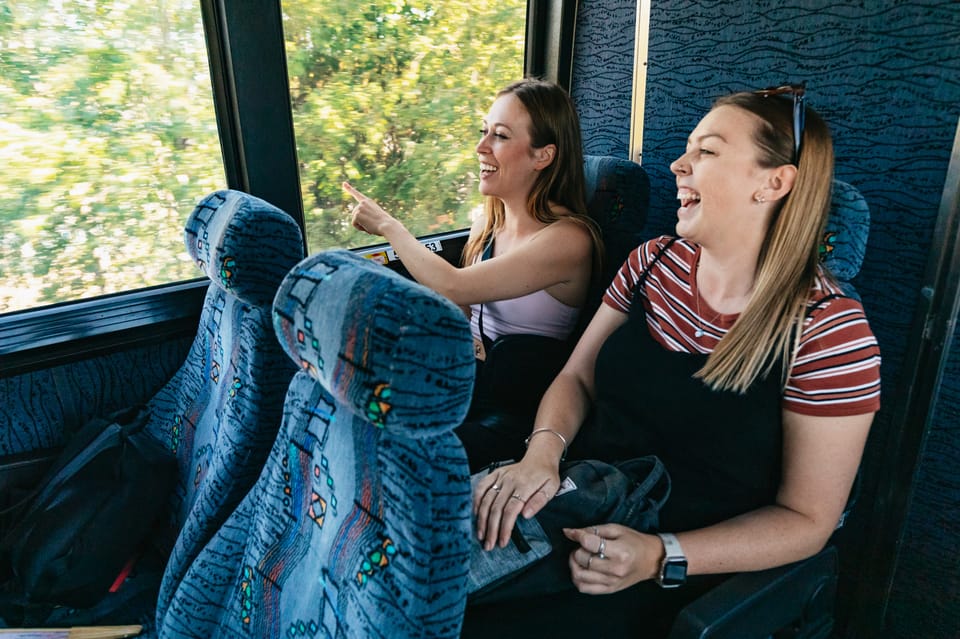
553, 120
769, 328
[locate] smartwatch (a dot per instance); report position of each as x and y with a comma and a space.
673, 570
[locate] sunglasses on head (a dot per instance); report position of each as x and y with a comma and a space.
799, 111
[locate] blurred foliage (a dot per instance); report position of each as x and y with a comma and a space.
108, 136
107, 139
390, 96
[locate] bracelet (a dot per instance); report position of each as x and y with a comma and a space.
563, 439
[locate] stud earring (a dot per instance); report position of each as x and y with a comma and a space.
759, 199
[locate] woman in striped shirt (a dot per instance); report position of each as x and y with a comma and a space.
731, 354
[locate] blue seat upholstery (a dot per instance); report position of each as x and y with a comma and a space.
845, 238
221, 410
796, 600
618, 198
359, 524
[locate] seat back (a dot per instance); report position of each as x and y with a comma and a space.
221, 410
359, 525
618, 199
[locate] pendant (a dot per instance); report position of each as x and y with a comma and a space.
698, 332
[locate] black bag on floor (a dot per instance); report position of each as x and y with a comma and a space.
91, 514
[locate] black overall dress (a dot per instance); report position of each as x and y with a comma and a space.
723, 453
722, 449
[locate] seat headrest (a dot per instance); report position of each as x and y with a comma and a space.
618, 200
845, 237
397, 353
616, 190
244, 244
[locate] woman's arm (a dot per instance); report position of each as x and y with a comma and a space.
555, 255
820, 460
535, 479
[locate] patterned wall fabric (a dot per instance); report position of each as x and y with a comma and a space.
603, 75
886, 77
359, 525
40, 408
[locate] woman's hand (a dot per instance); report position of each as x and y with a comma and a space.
612, 557
368, 216
506, 493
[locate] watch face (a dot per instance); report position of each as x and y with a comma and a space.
674, 574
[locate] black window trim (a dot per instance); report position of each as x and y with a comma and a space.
255, 122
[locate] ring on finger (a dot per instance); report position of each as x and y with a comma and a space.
603, 546
496, 488
589, 559
517, 497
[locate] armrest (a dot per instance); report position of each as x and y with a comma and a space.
758, 604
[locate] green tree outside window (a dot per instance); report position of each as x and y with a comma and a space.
108, 134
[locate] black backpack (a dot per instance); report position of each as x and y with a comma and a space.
90, 516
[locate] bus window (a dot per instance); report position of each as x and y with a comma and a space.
107, 137
390, 96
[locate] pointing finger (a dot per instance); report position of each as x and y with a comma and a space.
357, 195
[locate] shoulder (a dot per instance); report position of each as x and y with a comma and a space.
836, 370
835, 318
570, 233
828, 299
666, 256
670, 252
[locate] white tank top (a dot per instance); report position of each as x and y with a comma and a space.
538, 313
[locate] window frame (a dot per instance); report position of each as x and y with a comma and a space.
254, 115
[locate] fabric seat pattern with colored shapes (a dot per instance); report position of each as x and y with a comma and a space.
221, 411
359, 525
844, 241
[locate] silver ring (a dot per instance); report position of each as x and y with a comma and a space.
603, 546
517, 497
496, 488
589, 559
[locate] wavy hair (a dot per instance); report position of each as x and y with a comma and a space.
553, 120
769, 328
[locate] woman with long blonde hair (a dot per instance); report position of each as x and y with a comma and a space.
729, 353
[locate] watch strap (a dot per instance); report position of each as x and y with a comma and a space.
671, 546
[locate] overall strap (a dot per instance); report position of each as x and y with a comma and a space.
486, 255
656, 258
823, 300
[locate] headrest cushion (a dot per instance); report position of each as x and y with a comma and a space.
618, 199
397, 353
244, 244
845, 237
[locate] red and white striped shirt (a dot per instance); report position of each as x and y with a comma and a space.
837, 369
